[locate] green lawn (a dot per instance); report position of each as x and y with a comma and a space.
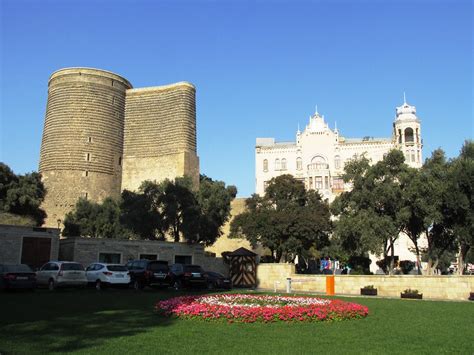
123, 321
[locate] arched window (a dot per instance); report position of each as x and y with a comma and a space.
277, 164
283, 164
409, 136
337, 161
299, 164
265, 165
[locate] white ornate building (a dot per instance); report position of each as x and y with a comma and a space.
318, 155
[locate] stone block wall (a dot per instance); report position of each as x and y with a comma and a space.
160, 134
87, 250
82, 142
432, 287
11, 241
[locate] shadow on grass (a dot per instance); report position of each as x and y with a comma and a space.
68, 320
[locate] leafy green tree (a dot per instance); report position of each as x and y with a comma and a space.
288, 220
368, 215
459, 201
214, 200
22, 195
140, 213
179, 209
94, 220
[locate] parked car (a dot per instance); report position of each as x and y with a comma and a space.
215, 280
153, 273
103, 274
61, 274
187, 276
17, 276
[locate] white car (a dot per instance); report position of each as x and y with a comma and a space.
61, 274
102, 274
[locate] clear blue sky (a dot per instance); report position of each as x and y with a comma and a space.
259, 68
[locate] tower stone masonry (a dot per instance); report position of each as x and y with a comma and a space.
102, 136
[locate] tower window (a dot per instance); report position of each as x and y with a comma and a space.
409, 136
89, 139
299, 164
265, 165
86, 173
120, 161
88, 156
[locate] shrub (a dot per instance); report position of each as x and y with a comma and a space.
407, 266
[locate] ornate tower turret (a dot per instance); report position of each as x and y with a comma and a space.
407, 134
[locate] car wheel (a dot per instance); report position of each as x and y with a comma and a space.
98, 285
177, 285
137, 285
51, 285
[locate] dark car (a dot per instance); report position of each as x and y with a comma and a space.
187, 276
215, 280
152, 273
17, 276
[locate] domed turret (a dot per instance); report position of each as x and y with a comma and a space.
407, 133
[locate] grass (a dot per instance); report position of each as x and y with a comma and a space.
123, 321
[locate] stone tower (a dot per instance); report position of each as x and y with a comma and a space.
81, 149
160, 134
407, 134
101, 136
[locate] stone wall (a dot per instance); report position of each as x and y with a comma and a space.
160, 134
87, 250
11, 241
432, 287
82, 142
224, 243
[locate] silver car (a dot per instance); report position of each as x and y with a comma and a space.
61, 274
102, 274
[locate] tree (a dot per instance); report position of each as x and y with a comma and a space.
139, 211
179, 209
214, 200
288, 220
94, 220
459, 201
368, 215
22, 195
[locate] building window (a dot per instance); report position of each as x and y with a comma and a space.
183, 259
337, 162
326, 182
86, 173
112, 258
283, 164
318, 182
120, 161
89, 139
337, 183
277, 164
85, 195
148, 256
299, 164
88, 156
413, 156
400, 136
409, 137
265, 165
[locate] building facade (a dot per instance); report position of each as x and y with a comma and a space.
102, 136
319, 153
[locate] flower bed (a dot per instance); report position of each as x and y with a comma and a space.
260, 308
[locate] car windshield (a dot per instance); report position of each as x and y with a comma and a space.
71, 266
18, 268
192, 268
158, 267
117, 268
